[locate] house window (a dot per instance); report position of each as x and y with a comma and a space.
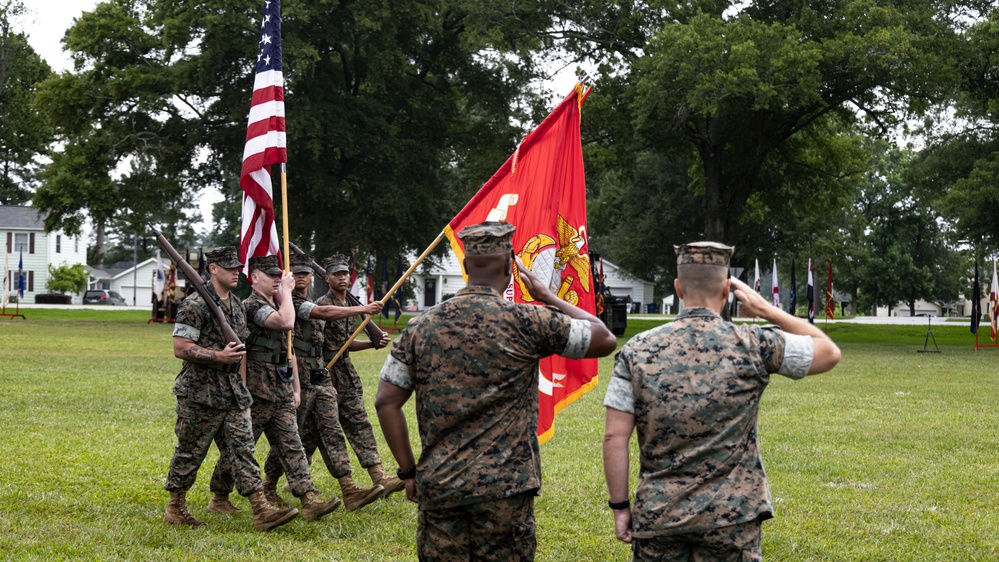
58, 243
20, 242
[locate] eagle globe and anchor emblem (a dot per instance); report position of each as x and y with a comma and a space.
560, 263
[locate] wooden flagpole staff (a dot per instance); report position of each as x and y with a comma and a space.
385, 298
284, 228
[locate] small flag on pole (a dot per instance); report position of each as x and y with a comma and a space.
776, 287
830, 303
5, 298
265, 142
811, 294
993, 304
20, 277
794, 291
976, 302
756, 283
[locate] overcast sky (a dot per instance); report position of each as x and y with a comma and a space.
47, 22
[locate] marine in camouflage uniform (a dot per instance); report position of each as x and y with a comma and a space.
274, 388
318, 420
473, 363
349, 390
692, 389
212, 400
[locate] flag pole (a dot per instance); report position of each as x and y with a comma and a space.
387, 296
284, 228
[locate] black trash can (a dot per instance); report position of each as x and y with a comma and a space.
615, 315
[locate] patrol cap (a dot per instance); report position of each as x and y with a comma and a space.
487, 238
266, 264
336, 263
301, 263
224, 256
704, 253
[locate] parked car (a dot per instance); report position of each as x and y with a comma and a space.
100, 296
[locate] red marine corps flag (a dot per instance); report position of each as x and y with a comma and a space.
265, 142
541, 190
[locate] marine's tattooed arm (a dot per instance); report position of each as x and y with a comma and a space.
198, 354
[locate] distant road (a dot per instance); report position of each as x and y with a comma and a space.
898, 320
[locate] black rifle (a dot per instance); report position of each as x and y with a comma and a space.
211, 299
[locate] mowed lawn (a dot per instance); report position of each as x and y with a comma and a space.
892, 456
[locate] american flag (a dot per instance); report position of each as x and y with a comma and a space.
265, 142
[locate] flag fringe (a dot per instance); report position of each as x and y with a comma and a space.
563, 403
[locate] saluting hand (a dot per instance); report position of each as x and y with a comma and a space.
233, 353
753, 304
535, 286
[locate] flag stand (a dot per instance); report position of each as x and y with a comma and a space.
17, 311
985, 346
387, 296
929, 335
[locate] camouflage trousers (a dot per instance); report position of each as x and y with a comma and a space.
197, 426
319, 427
277, 421
500, 530
353, 417
734, 543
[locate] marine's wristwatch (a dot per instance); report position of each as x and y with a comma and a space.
619, 505
406, 474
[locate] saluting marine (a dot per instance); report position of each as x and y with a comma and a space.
692, 389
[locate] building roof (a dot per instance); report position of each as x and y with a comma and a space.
14, 217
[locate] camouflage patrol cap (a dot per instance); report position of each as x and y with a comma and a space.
301, 263
336, 263
266, 264
705, 253
487, 238
224, 256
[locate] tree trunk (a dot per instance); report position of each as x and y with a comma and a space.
912, 307
99, 244
853, 300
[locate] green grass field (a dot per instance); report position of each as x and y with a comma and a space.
889, 457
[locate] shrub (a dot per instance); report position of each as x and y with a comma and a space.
53, 298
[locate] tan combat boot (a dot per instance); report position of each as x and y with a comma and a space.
313, 508
356, 498
220, 504
176, 511
390, 483
270, 492
265, 515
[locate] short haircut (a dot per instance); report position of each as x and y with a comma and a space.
702, 281
487, 265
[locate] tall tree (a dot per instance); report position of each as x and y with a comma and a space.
24, 132
742, 86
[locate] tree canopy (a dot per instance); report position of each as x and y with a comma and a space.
24, 133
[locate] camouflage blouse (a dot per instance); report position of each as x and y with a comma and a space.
262, 376
473, 364
307, 360
694, 386
336, 332
201, 383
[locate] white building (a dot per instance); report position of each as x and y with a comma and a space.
135, 284
432, 284
23, 230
